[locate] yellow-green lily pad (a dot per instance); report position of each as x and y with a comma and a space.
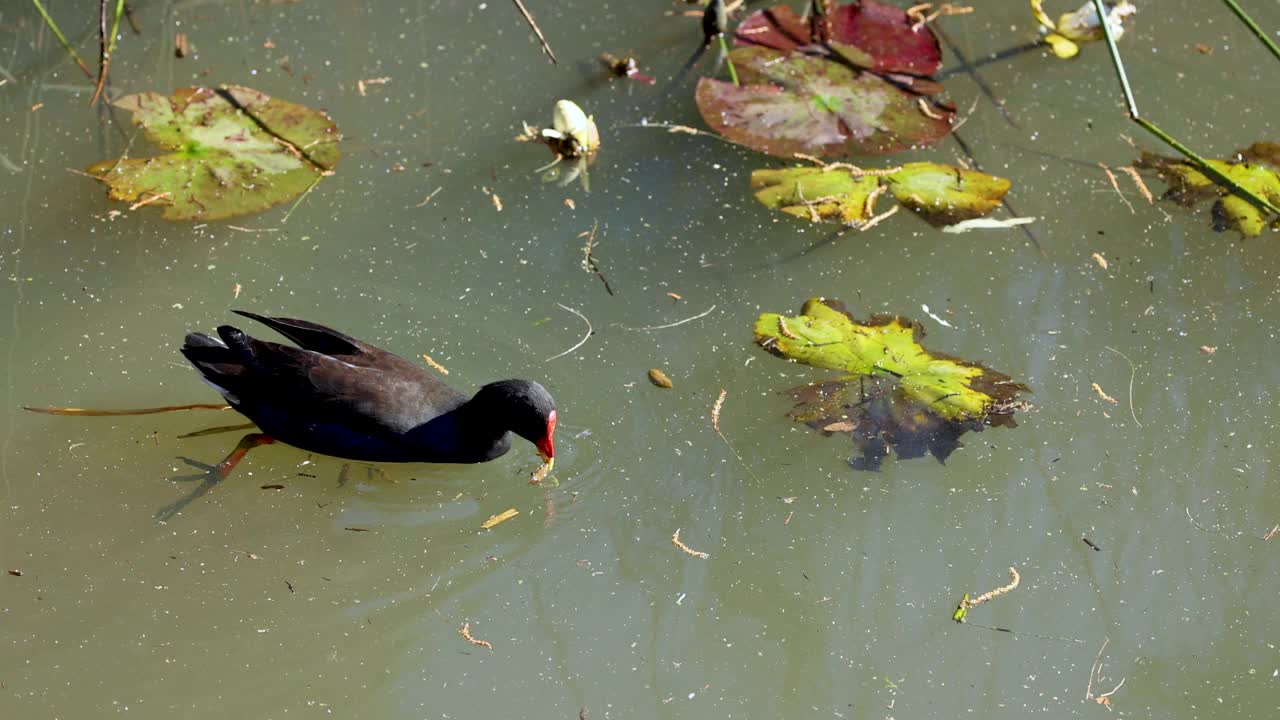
1257, 170
814, 194
944, 195
231, 151
898, 395
941, 194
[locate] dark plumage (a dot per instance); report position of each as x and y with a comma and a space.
336, 395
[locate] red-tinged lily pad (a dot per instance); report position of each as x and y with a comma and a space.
792, 103
231, 151
869, 34
898, 395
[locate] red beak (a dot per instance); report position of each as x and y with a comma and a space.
546, 446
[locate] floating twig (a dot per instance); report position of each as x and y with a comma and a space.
580, 342
675, 540
852, 169
681, 129
1096, 671
1116, 186
1133, 372
715, 411
589, 263
362, 86
536, 31
500, 518
1132, 172
715, 424
427, 199
149, 200
465, 632
1097, 389
966, 603
1093, 670
878, 219
702, 314
918, 13
435, 365
83, 412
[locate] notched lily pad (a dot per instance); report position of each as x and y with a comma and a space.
232, 151
791, 103
1257, 169
898, 396
941, 194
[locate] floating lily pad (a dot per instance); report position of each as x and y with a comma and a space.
941, 194
792, 103
814, 194
1256, 171
898, 396
944, 195
232, 151
869, 34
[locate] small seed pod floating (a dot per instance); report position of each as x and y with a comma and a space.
572, 136
573, 133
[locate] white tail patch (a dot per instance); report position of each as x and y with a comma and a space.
225, 393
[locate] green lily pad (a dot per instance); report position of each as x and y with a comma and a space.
814, 194
1257, 170
231, 151
944, 195
941, 194
898, 396
791, 103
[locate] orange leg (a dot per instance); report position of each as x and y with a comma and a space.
247, 443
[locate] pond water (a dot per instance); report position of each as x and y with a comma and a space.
828, 591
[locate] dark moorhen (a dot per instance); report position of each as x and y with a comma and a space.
336, 395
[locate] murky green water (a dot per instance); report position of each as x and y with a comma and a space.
263, 603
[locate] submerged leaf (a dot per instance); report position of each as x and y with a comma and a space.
941, 194
232, 151
791, 103
899, 395
1257, 171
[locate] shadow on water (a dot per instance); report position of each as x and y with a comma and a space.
208, 478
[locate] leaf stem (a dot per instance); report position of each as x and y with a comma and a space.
1201, 164
733, 73
108, 47
61, 38
1253, 26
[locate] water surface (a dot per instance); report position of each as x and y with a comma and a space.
828, 591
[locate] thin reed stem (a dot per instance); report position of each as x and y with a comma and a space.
1201, 164
62, 38
1253, 27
